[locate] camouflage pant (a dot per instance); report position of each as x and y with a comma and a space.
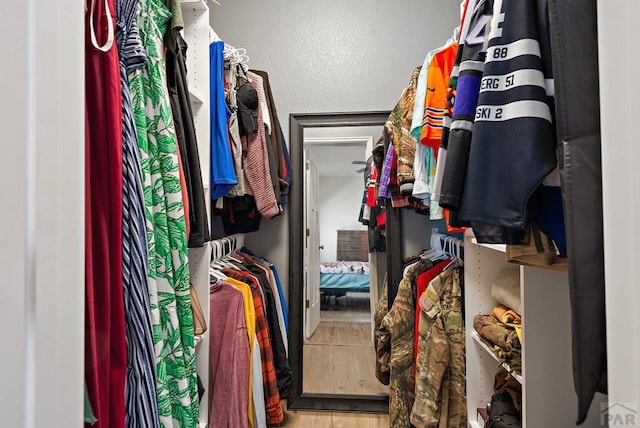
440, 379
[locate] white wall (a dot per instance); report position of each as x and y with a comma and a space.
340, 200
331, 56
41, 227
621, 200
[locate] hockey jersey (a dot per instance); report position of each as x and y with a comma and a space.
513, 143
467, 89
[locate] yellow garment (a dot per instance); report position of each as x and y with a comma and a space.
509, 317
250, 319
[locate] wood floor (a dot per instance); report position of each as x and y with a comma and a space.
334, 420
342, 333
350, 315
340, 359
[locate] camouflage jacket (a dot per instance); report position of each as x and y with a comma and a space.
399, 126
440, 379
381, 341
395, 338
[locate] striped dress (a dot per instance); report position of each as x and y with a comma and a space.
140, 388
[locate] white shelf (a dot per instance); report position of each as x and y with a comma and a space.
195, 4
516, 375
496, 247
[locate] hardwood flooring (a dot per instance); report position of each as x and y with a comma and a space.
334, 420
340, 359
347, 314
342, 333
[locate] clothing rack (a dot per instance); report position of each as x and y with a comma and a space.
222, 247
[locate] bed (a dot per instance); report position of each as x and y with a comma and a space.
342, 280
338, 278
351, 276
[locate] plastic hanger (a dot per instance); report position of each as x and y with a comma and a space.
436, 244
217, 274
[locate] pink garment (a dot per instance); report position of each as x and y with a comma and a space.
256, 168
229, 360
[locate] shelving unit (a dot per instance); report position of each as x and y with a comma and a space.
196, 33
548, 397
516, 374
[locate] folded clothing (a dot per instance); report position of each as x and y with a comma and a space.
510, 318
507, 316
503, 339
492, 330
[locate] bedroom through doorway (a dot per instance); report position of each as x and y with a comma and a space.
339, 356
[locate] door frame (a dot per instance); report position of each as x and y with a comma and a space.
299, 400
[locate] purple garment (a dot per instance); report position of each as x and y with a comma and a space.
229, 360
385, 175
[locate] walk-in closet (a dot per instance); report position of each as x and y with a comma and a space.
241, 213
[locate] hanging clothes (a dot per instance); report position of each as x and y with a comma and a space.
277, 139
277, 291
280, 360
140, 387
396, 336
472, 61
465, 21
421, 284
229, 361
187, 141
272, 155
223, 175
274, 411
105, 345
575, 53
169, 289
381, 343
513, 122
288, 171
398, 126
440, 380
250, 322
233, 124
438, 75
256, 161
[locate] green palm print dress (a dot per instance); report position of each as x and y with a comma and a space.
171, 314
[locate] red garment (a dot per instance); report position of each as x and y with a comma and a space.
229, 358
422, 284
105, 347
372, 197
